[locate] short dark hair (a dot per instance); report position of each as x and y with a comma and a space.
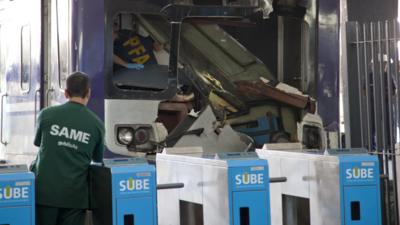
78, 85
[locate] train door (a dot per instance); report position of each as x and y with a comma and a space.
59, 61
2, 77
20, 99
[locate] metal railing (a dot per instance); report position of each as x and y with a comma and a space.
373, 101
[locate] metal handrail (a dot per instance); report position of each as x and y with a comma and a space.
37, 93
2, 119
48, 91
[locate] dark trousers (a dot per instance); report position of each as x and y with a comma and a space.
47, 215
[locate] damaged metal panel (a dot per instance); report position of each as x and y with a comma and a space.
258, 90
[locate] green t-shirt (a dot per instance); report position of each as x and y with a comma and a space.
70, 136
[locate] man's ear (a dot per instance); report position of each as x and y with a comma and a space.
66, 94
89, 93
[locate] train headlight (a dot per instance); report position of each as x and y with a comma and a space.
125, 135
142, 136
311, 137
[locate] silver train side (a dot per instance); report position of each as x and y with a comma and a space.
43, 41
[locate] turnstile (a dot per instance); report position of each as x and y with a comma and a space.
222, 189
337, 187
123, 192
17, 195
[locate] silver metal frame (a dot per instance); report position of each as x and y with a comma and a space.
202, 177
311, 176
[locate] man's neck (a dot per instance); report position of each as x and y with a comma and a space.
78, 100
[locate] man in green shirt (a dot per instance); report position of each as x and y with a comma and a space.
70, 136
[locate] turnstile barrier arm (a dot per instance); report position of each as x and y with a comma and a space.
277, 179
170, 186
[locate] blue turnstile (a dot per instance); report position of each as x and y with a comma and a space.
335, 187
248, 188
123, 192
360, 189
17, 195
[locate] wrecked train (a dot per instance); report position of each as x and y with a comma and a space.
249, 84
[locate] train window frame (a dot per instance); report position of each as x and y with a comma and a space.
130, 24
26, 59
63, 53
2, 62
114, 86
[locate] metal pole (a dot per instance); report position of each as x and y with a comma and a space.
376, 99
367, 89
397, 118
391, 117
389, 87
174, 48
382, 97
384, 125
360, 88
377, 118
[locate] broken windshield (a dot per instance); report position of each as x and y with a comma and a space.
213, 54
